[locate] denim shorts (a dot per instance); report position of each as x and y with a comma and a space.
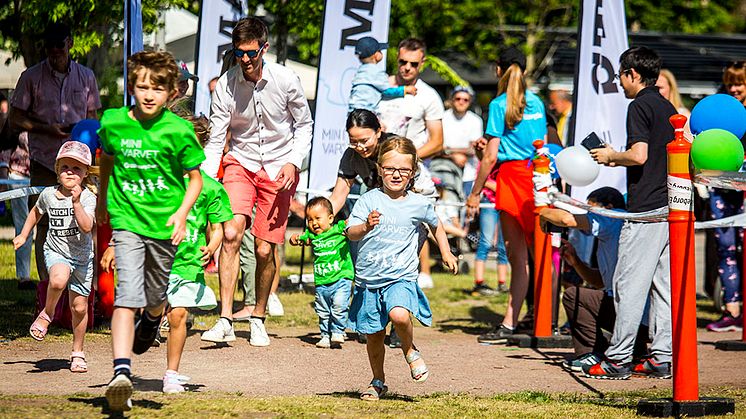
81, 274
369, 311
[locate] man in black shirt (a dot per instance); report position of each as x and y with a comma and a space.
642, 270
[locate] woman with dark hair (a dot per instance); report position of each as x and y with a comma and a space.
516, 119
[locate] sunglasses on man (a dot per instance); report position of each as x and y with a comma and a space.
239, 53
414, 64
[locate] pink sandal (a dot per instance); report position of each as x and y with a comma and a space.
77, 362
37, 327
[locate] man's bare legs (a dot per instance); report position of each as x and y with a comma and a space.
228, 272
265, 273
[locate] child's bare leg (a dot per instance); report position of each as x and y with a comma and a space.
376, 352
176, 337
59, 274
79, 310
400, 317
122, 332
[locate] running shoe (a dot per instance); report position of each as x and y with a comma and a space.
324, 342
607, 370
649, 368
146, 332
172, 384
274, 306
259, 335
118, 393
576, 364
727, 323
498, 335
221, 332
483, 290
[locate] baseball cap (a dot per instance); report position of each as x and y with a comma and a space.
367, 46
510, 56
75, 150
184, 73
466, 89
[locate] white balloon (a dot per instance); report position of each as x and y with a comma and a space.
576, 166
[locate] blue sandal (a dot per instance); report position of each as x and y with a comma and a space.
376, 390
419, 374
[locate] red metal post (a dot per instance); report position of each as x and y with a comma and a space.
683, 278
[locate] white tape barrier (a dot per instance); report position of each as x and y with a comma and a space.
20, 193
720, 179
22, 182
654, 216
354, 196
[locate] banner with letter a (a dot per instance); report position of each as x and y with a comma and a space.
345, 21
216, 21
600, 105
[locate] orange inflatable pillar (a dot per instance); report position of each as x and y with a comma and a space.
542, 256
105, 279
683, 278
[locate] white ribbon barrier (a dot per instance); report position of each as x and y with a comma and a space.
654, 216
720, 179
353, 196
20, 193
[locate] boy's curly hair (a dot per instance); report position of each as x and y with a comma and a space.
162, 66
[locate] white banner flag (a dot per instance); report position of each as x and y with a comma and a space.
600, 105
216, 23
345, 21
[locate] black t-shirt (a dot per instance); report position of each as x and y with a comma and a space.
353, 164
647, 121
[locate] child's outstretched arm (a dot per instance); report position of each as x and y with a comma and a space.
106, 162
216, 237
359, 231
178, 219
33, 217
445, 249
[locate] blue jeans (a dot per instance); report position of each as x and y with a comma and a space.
726, 203
332, 304
19, 208
489, 221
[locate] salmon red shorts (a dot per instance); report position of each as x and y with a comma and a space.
247, 189
514, 194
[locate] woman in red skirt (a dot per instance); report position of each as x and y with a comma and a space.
516, 119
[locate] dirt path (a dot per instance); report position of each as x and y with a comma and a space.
293, 366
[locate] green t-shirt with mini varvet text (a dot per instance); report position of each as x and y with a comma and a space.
147, 184
332, 255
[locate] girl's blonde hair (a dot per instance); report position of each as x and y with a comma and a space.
735, 73
513, 85
402, 146
674, 95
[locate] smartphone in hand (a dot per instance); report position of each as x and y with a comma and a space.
592, 141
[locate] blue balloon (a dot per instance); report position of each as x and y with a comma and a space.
554, 149
719, 111
86, 131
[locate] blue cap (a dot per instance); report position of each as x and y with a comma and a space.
367, 46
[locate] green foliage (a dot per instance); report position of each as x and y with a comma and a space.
444, 71
299, 21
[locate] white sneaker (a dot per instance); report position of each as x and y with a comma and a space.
221, 332
172, 384
324, 342
258, 333
425, 281
337, 340
274, 306
118, 393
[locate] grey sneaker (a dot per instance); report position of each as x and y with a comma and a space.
576, 364
118, 393
220, 333
324, 342
337, 340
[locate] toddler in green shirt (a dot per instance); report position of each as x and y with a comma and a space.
332, 269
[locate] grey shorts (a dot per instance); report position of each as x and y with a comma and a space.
143, 268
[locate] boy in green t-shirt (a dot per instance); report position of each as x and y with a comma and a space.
332, 269
147, 149
186, 285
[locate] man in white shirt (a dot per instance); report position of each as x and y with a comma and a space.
418, 118
461, 129
263, 107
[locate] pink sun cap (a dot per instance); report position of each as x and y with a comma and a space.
75, 150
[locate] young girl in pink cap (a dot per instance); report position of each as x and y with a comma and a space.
68, 251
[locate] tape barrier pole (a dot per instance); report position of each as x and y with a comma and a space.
542, 251
683, 278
